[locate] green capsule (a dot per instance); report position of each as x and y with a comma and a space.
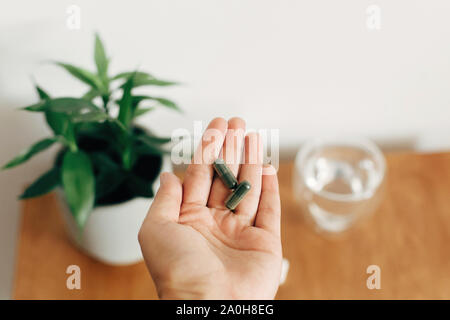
237, 195
225, 174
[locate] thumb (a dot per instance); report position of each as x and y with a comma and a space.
167, 202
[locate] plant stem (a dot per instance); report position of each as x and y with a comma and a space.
105, 99
126, 158
69, 143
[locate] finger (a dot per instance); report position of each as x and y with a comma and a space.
199, 174
251, 171
269, 209
231, 154
167, 202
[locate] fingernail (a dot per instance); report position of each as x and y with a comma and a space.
268, 169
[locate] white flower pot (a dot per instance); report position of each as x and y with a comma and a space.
111, 232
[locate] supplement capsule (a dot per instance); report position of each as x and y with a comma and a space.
237, 195
225, 174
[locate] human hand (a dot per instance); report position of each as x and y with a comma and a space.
194, 247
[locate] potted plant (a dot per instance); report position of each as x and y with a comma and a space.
107, 170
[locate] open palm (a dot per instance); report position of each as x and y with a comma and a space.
194, 246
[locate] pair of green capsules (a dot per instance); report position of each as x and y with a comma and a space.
230, 181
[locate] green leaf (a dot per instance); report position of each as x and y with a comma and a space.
91, 117
58, 122
42, 94
167, 103
79, 185
101, 60
44, 184
64, 105
143, 79
126, 104
70, 105
83, 75
140, 111
138, 99
163, 101
30, 152
37, 107
91, 94
153, 82
137, 75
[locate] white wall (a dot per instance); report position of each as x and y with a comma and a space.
306, 67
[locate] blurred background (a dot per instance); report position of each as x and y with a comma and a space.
305, 67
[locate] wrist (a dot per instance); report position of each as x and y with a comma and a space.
173, 294
170, 293
190, 292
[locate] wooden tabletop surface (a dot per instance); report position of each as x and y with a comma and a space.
408, 237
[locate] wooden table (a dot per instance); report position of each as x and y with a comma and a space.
408, 238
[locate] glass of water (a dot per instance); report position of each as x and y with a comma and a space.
338, 180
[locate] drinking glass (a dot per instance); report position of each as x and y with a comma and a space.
338, 180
